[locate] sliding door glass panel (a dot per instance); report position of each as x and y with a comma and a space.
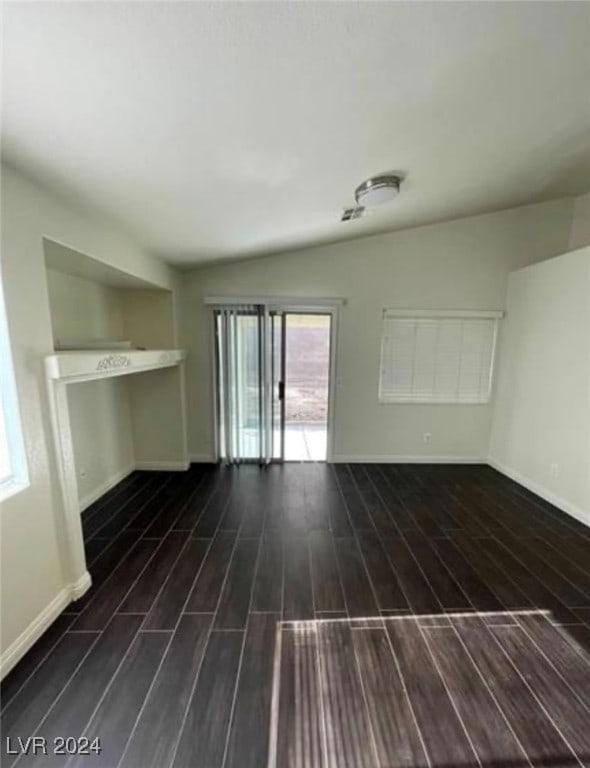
248, 386
307, 382
240, 384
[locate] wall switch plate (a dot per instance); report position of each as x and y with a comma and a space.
427, 437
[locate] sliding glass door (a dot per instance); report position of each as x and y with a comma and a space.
272, 402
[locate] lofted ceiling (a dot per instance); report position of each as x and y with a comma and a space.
224, 130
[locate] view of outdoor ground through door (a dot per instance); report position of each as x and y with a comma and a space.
307, 376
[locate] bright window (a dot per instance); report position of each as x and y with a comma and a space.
13, 465
437, 357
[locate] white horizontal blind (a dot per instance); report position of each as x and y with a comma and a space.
427, 358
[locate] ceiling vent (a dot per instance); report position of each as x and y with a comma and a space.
352, 213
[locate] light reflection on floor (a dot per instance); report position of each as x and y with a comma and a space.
305, 442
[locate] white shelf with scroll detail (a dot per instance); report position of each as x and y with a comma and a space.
62, 370
86, 365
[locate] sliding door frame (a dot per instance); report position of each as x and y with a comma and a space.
215, 409
283, 378
276, 363
332, 313
328, 306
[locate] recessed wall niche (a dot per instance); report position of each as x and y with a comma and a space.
125, 422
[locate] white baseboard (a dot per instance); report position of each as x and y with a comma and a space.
163, 466
16, 650
398, 459
571, 509
91, 497
202, 458
81, 586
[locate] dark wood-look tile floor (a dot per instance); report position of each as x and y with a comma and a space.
315, 616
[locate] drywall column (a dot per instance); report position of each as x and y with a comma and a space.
541, 423
580, 231
74, 557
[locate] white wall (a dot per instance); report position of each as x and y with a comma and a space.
33, 588
580, 231
100, 415
83, 308
148, 318
462, 264
156, 398
542, 409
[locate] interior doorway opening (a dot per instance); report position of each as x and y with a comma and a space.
307, 386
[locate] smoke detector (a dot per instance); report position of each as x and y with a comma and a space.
378, 190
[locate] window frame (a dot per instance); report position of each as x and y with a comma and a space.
18, 477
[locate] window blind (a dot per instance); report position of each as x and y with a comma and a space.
429, 357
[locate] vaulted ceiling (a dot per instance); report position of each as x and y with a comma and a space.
215, 130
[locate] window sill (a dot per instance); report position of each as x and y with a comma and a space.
12, 488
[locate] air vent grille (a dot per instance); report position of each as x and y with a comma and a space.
352, 213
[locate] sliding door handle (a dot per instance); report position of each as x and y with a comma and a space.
281, 390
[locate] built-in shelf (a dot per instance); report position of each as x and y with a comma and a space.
62, 370
87, 365
108, 323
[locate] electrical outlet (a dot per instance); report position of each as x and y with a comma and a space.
427, 437
554, 470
